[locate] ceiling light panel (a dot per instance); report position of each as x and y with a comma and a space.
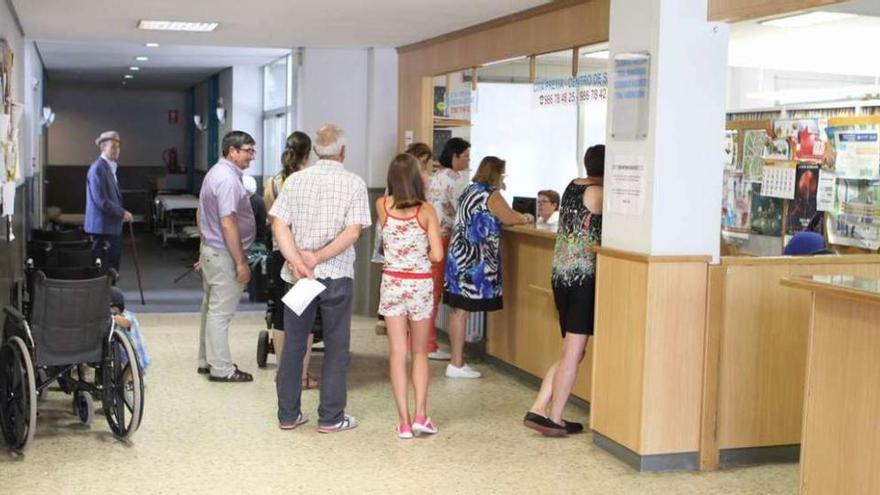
142, 59
195, 27
152, 45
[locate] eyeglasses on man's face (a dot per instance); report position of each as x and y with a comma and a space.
252, 150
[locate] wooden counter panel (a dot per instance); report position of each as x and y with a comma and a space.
841, 450
621, 314
674, 357
526, 332
763, 348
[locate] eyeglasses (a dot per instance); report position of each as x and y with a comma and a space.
543, 201
248, 150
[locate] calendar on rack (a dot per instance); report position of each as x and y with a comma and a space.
778, 182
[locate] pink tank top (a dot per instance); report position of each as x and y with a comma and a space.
405, 244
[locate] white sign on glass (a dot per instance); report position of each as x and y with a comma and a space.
631, 90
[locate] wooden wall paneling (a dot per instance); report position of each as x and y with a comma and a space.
741, 10
618, 370
709, 452
673, 357
841, 448
552, 27
763, 346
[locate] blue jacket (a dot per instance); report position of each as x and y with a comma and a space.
104, 209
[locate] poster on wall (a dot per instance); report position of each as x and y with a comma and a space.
735, 207
765, 214
858, 151
855, 218
802, 209
754, 141
440, 101
730, 154
805, 137
779, 181
827, 188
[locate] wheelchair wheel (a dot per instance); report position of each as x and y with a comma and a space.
18, 395
262, 348
123, 386
84, 407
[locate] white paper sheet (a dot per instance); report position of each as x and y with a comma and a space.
627, 185
825, 195
8, 198
302, 293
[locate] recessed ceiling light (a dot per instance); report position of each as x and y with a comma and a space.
199, 27
129, 76
808, 19
133, 69
603, 54
142, 59
152, 45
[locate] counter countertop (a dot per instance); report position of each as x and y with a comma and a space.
530, 230
850, 286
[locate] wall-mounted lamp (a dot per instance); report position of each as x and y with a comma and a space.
200, 125
221, 111
48, 116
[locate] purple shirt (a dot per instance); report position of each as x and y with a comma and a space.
223, 194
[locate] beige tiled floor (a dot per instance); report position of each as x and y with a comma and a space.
202, 437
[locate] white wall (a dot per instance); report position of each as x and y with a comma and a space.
382, 114
140, 117
334, 89
241, 88
746, 86
539, 143
247, 108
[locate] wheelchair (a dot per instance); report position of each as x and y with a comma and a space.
66, 326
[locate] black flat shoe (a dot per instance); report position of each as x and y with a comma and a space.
573, 428
203, 370
543, 425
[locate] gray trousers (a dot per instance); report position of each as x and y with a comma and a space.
219, 302
335, 306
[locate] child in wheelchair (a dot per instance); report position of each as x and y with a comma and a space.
128, 321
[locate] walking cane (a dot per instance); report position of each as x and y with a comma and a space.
137, 266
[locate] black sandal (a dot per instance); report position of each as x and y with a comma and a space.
237, 376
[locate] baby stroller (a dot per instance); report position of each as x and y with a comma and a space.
275, 287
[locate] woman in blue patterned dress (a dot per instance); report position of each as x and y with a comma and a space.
473, 268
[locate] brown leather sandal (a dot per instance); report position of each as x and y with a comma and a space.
237, 376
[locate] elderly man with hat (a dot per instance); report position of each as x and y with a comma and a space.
104, 211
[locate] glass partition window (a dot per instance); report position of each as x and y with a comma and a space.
593, 63
278, 110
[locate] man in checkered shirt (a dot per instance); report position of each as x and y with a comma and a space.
317, 219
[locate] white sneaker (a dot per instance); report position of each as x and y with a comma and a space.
463, 372
439, 355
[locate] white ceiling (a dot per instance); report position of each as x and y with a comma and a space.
842, 47
94, 41
176, 66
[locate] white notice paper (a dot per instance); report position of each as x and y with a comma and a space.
825, 194
302, 293
627, 185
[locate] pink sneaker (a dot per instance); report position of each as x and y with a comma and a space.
424, 425
404, 431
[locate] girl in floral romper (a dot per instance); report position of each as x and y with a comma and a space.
411, 242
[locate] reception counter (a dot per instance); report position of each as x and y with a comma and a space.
525, 334
840, 446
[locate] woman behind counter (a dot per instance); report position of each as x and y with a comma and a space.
548, 210
473, 267
574, 291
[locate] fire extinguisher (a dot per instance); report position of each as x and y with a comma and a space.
169, 156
